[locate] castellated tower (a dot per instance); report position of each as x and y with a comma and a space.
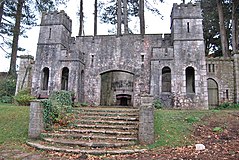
189, 55
56, 66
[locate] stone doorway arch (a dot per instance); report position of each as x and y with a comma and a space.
117, 88
213, 99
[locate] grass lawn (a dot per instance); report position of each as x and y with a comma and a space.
14, 122
172, 127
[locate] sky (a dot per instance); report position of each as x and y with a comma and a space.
154, 25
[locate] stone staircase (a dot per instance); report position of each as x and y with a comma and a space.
96, 130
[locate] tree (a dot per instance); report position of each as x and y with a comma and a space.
81, 18
211, 28
1, 10
125, 13
19, 16
95, 18
109, 12
119, 20
235, 6
141, 17
223, 34
16, 33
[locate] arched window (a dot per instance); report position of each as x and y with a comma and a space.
45, 79
190, 80
166, 79
64, 78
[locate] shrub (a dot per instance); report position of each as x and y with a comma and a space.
228, 105
57, 109
6, 99
157, 104
24, 97
7, 89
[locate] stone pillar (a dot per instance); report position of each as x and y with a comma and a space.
236, 77
146, 121
36, 124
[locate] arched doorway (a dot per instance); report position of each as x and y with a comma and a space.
116, 88
212, 93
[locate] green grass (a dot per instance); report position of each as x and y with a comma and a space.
14, 121
173, 127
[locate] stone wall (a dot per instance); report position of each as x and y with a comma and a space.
128, 53
221, 70
24, 75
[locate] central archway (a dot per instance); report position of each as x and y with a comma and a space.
117, 88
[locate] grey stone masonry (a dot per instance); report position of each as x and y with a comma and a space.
24, 79
171, 67
236, 78
146, 121
36, 124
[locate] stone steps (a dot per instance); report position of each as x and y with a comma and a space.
99, 130
95, 151
91, 136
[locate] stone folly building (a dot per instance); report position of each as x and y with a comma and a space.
120, 70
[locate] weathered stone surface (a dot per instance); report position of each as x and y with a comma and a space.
146, 124
36, 124
117, 70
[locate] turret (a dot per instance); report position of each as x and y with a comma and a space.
55, 28
186, 22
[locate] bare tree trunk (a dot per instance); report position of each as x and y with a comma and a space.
119, 12
16, 33
224, 41
141, 17
1, 10
81, 18
235, 4
95, 19
126, 27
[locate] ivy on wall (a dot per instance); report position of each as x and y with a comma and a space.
57, 109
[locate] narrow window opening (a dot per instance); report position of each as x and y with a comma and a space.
227, 94
209, 67
45, 78
64, 78
82, 85
166, 79
50, 34
92, 60
190, 80
188, 27
213, 68
142, 58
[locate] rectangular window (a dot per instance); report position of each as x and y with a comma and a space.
227, 94
50, 34
209, 67
188, 27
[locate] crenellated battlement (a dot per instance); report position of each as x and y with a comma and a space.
189, 10
56, 18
